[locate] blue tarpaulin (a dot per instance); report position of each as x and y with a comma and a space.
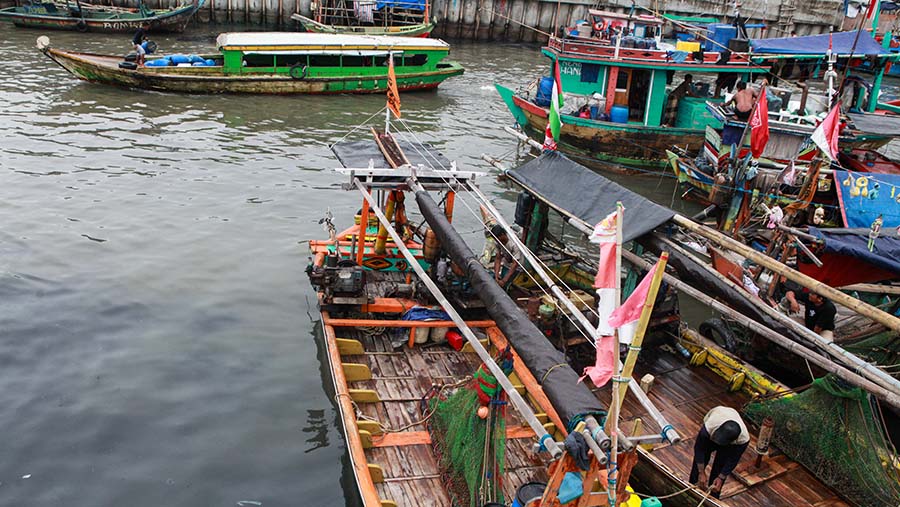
842, 44
864, 196
854, 243
417, 5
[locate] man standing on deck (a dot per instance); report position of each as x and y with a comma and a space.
138, 41
723, 432
685, 89
743, 101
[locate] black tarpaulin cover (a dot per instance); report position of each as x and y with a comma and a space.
356, 154
571, 399
872, 123
578, 192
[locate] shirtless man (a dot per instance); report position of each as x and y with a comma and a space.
743, 101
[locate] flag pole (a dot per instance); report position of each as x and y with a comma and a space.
613, 429
387, 110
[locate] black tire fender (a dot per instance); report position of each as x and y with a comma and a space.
127, 65
299, 71
81, 26
718, 331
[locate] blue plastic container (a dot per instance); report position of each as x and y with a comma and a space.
196, 59
595, 112
618, 114
159, 62
719, 35
651, 502
210, 63
176, 59
545, 91
528, 492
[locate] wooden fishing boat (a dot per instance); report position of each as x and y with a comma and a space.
414, 30
279, 63
402, 383
619, 106
99, 18
409, 18
690, 374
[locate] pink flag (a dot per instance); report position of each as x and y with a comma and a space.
605, 234
631, 309
604, 366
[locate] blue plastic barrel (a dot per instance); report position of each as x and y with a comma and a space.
528, 492
545, 91
196, 59
176, 59
618, 114
595, 112
210, 63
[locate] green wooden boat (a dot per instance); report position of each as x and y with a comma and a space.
278, 63
416, 30
84, 17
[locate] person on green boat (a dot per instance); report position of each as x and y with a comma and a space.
138, 41
685, 89
743, 101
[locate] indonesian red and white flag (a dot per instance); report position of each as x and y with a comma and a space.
759, 125
828, 132
549, 142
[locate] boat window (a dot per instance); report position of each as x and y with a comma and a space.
324, 60
589, 72
257, 60
415, 60
357, 61
289, 60
381, 61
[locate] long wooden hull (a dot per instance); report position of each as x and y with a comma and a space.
632, 145
104, 69
99, 21
417, 30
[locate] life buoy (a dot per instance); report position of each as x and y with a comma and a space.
81, 26
599, 26
299, 71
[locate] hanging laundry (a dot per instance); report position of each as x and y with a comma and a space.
365, 10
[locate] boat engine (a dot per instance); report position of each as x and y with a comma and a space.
342, 281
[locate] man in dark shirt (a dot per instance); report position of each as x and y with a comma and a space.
819, 315
138, 41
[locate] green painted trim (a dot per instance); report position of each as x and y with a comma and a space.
506, 94
657, 106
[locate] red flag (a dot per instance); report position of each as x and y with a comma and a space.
604, 365
759, 125
828, 132
393, 95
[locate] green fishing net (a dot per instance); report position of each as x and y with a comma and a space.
836, 431
471, 450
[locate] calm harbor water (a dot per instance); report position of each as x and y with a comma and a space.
158, 337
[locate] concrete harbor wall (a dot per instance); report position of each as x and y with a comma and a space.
508, 20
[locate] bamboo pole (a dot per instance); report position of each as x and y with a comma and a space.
381, 238
878, 391
635, 347
869, 371
514, 397
564, 301
615, 404
881, 393
867, 310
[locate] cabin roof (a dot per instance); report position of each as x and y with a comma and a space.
640, 18
271, 40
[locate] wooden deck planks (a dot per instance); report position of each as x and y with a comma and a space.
684, 394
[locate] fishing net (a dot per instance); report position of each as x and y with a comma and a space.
836, 431
471, 449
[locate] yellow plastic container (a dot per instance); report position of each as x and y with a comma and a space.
687, 46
